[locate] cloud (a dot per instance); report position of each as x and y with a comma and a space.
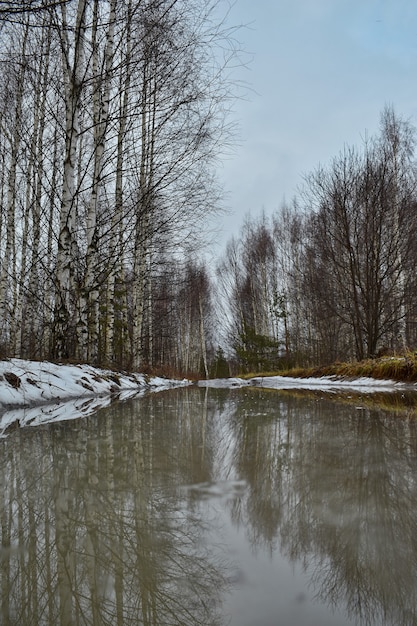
321, 74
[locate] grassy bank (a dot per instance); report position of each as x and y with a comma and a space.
400, 368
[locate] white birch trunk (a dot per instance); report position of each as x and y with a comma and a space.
88, 325
49, 282
138, 297
73, 84
116, 270
37, 303
202, 336
8, 268
143, 223
31, 307
150, 307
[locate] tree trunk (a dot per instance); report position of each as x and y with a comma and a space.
116, 276
8, 289
73, 77
88, 323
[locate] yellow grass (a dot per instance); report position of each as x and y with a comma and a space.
397, 367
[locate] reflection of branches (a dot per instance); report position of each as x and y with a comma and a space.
104, 521
337, 488
102, 535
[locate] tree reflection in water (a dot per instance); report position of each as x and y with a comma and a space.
93, 530
105, 520
336, 487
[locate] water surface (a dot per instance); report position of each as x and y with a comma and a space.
213, 507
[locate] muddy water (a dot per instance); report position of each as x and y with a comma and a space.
205, 507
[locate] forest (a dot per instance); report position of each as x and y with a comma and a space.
333, 276
113, 117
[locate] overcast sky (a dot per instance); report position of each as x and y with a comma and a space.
321, 73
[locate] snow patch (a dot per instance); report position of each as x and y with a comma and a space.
33, 393
324, 383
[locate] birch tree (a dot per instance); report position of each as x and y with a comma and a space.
177, 141
33, 305
88, 322
8, 286
73, 75
258, 305
116, 305
113, 130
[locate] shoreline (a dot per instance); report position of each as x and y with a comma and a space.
34, 393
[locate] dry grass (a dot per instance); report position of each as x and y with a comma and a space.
397, 367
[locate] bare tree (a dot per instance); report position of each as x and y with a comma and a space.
361, 232
9, 269
109, 137
253, 279
10, 9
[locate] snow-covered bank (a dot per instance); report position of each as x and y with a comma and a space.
39, 392
324, 383
34, 393
25, 383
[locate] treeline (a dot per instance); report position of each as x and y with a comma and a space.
112, 114
333, 276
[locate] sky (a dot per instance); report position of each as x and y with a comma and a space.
319, 76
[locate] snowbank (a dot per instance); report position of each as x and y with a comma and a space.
33, 393
40, 392
324, 383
